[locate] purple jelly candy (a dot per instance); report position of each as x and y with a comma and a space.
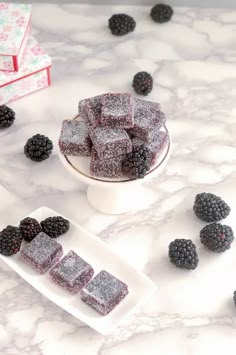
72, 272
42, 253
147, 117
111, 167
159, 141
104, 292
110, 142
74, 138
90, 110
117, 110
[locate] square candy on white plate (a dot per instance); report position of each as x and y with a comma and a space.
101, 257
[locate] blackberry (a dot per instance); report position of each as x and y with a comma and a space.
137, 163
234, 298
142, 83
29, 228
38, 148
7, 116
210, 208
55, 226
183, 254
161, 13
10, 240
217, 237
121, 24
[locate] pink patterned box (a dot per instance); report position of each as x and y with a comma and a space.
33, 75
14, 34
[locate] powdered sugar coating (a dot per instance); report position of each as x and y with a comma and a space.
110, 142
74, 139
90, 110
72, 272
111, 167
104, 292
147, 117
158, 143
42, 253
117, 110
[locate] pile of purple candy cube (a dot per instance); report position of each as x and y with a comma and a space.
108, 128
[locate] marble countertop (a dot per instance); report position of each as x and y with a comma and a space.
192, 60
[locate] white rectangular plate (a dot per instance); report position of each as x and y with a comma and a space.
100, 256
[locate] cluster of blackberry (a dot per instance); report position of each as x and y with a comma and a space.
122, 24
11, 237
38, 147
215, 236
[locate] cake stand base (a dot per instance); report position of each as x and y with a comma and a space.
120, 200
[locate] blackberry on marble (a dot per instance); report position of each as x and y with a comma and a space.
143, 83
183, 254
217, 237
55, 226
10, 240
121, 24
29, 228
38, 148
161, 13
7, 116
137, 163
210, 208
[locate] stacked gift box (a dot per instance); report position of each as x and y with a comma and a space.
24, 65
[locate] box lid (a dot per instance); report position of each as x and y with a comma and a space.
14, 21
34, 60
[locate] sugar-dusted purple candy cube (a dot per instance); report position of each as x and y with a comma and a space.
72, 272
74, 138
110, 142
158, 143
117, 110
90, 110
104, 292
147, 117
111, 168
42, 253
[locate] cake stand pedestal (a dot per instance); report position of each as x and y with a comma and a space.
119, 200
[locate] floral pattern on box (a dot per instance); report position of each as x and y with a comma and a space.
34, 59
14, 21
24, 46
24, 86
6, 62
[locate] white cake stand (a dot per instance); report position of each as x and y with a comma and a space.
115, 196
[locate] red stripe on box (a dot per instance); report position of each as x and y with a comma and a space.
12, 55
23, 77
15, 63
49, 75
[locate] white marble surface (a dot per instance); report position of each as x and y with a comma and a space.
192, 61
